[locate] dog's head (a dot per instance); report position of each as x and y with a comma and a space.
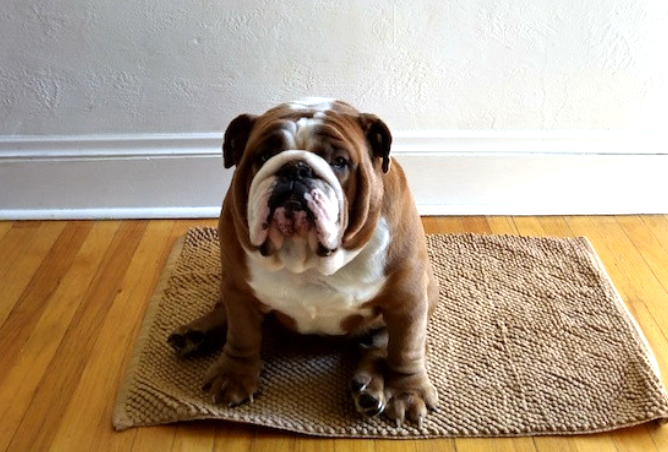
308, 181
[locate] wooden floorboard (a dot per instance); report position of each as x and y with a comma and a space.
73, 295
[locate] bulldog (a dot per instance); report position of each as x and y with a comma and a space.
320, 229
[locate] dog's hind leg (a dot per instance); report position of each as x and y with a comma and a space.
204, 334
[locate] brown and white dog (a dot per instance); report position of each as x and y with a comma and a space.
319, 228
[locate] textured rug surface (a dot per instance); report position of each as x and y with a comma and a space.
529, 338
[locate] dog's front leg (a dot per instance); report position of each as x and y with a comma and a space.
392, 376
235, 377
408, 391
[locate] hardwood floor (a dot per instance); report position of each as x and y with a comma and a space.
73, 294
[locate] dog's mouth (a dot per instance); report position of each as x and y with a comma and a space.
288, 209
294, 204
289, 195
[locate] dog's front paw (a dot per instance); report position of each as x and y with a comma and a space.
401, 397
232, 381
409, 397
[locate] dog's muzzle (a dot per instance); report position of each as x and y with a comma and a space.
291, 186
295, 197
288, 206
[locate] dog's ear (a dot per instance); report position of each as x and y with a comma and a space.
236, 137
378, 136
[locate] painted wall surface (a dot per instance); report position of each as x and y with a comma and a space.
70, 67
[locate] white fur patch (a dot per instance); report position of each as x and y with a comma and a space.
321, 104
318, 302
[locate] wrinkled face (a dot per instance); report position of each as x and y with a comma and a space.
296, 196
309, 178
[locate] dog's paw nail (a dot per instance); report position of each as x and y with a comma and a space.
358, 386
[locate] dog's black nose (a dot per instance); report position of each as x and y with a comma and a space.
297, 170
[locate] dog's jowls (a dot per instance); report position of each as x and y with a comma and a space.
320, 230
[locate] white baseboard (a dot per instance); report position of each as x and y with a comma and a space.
450, 173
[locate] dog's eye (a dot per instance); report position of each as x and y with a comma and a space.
340, 163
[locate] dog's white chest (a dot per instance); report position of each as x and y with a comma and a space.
320, 303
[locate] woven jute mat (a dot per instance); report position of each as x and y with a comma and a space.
529, 338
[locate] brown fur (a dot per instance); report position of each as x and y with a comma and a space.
392, 373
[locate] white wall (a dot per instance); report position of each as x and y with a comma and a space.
150, 66
135, 68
